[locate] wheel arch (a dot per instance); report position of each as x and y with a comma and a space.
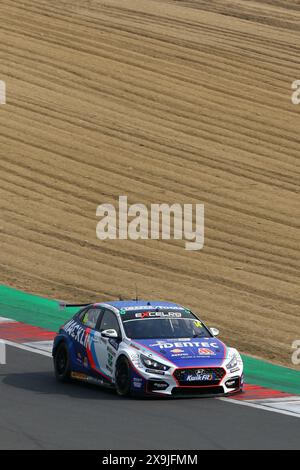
122, 356
59, 340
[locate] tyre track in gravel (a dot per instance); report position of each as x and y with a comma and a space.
165, 101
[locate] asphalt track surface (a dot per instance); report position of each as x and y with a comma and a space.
39, 413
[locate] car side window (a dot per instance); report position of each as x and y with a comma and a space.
81, 314
110, 322
90, 317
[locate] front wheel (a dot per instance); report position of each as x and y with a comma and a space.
123, 377
62, 363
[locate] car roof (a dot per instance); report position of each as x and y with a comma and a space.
119, 304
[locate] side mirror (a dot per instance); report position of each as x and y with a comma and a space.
214, 331
109, 333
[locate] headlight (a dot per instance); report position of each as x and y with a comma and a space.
152, 363
234, 362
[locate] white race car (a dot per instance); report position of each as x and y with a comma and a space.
146, 347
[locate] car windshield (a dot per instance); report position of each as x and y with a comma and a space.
164, 324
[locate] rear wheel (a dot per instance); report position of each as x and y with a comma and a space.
62, 363
123, 377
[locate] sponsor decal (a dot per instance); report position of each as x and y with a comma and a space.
177, 351
151, 307
85, 337
232, 383
158, 315
110, 360
137, 382
78, 376
114, 343
185, 344
160, 385
199, 376
154, 386
205, 352
79, 334
111, 351
79, 357
134, 356
136, 385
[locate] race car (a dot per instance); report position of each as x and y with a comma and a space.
150, 348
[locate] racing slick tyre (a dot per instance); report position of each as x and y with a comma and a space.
62, 363
123, 377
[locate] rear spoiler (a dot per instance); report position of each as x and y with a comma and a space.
63, 305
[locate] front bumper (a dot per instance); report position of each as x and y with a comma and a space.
172, 383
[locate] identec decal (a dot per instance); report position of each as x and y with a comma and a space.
188, 344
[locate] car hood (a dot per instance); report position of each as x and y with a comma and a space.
187, 352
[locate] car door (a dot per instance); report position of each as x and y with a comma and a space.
89, 318
108, 346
